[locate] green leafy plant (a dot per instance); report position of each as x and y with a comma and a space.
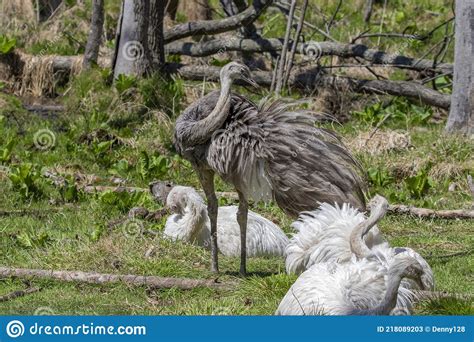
419, 115
124, 200
418, 185
6, 44
30, 240
371, 114
100, 151
25, 179
120, 168
164, 93
379, 177
6, 152
124, 83
155, 166
69, 191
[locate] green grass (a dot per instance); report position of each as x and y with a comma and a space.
72, 231
77, 236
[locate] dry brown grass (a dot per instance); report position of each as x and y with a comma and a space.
376, 143
16, 12
38, 77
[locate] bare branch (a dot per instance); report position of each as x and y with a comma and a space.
217, 26
325, 48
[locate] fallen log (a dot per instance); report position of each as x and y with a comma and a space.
317, 49
18, 293
101, 278
309, 80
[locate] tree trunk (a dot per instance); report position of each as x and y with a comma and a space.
133, 55
155, 33
461, 115
369, 5
95, 34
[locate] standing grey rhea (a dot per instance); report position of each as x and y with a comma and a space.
269, 151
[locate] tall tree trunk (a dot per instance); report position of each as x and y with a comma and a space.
133, 56
95, 34
155, 33
461, 114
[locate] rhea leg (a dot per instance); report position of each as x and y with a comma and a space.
242, 215
207, 181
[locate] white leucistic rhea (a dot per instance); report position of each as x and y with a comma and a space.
190, 222
347, 271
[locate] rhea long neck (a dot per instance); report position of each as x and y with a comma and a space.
203, 129
193, 222
389, 301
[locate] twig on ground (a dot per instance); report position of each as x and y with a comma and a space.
452, 255
101, 278
18, 293
429, 295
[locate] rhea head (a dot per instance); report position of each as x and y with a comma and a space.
237, 71
410, 268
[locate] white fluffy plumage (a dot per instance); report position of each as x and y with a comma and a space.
323, 235
356, 287
190, 222
323, 238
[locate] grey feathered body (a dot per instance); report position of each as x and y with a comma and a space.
273, 150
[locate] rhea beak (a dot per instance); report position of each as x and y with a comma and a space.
248, 78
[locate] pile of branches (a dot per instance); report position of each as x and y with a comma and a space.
306, 78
